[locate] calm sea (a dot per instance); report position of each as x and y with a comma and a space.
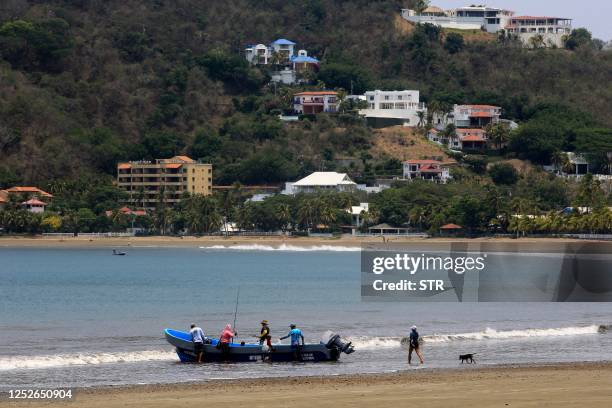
82, 317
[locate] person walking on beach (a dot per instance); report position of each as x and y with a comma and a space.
296, 335
225, 339
414, 345
197, 337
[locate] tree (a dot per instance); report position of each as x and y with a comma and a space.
499, 134
503, 173
590, 194
579, 37
560, 161
454, 43
348, 76
536, 41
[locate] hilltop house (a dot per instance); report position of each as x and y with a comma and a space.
321, 181
311, 103
34, 205
493, 20
470, 122
431, 170
281, 54
387, 108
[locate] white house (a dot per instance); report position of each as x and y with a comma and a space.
432, 170
490, 19
34, 205
493, 20
258, 54
386, 108
311, 103
321, 181
552, 30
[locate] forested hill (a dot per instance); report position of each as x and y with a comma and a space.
85, 83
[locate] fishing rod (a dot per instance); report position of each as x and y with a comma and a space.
236, 308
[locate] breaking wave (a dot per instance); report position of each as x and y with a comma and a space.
284, 247
365, 343
65, 360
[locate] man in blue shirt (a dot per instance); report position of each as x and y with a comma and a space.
296, 335
197, 337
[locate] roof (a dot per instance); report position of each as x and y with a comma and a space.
316, 93
325, 178
34, 190
433, 9
432, 130
451, 227
481, 114
124, 166
303, 59
423, 162
283, 41
538, 18
429, 168
185, 159
173, 165
481, 106
33, 201
472, 138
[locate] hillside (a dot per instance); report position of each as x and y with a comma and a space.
84, 84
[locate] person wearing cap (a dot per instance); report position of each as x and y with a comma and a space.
296, 335
264, 335
414, 345
197, 337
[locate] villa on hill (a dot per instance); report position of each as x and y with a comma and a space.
321, 181
281, 56
389, 108
547, 31
430, 170
29, 198
311, 103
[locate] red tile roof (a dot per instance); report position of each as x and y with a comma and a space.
33, 201
124, 166
472, 138
185, 159
173, 165
451, 226
482, 106
481, 114
422, 162
32, 190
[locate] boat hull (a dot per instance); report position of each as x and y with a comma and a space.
246, 353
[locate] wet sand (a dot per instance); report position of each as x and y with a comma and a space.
559, 385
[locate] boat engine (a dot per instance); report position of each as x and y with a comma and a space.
335, 341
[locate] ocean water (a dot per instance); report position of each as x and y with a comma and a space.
81, 317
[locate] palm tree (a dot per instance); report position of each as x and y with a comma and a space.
537, 41
283, 214
499, 134
421, 115
559, 160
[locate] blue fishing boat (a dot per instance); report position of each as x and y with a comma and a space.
251, 352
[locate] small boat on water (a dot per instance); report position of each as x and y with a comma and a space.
251, 352
120, 253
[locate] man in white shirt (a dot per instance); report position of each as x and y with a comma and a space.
197, 337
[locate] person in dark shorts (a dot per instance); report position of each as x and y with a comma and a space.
414, 345
197, 337
264, 335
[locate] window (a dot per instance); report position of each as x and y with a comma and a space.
386, 97
400, 105
371, 105
371, 97
399, 97
386, 105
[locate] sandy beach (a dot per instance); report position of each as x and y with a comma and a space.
274, 241
560, 385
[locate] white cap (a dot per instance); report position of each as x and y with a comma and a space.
413, 328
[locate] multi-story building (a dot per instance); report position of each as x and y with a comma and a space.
431, 170
311, 103
474, 116
493, 20
470, 122
280, 54
149, 184
551, 30
387, 108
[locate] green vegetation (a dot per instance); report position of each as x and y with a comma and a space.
85, 84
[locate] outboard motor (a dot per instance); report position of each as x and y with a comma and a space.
335, 341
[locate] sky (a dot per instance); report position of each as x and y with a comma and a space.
594, 15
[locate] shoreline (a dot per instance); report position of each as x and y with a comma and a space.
559, 384
274, 241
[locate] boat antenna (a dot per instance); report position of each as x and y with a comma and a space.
236, 308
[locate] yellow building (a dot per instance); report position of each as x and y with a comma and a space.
150, 183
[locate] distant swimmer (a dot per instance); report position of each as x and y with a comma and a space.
296, 335
225, 339
197, 337
264, 335
414, 345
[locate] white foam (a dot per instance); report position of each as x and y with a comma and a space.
284, 247
64, 360
365, 343
492, 334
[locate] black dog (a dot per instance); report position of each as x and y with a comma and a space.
467, 358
